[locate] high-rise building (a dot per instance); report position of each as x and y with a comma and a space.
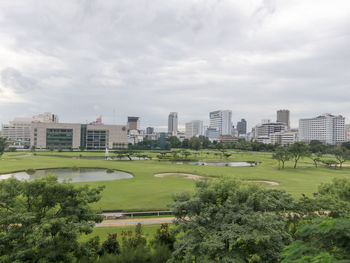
347, 132
194, 128
149, 130
221, 120
133, 123
242, 127
326, 128
172, 123
284, 116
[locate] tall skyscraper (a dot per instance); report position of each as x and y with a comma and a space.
149, 130
172, 123
327, 128
221, 120
284, 116
194, 128
242, 127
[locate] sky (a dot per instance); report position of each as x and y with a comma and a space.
84, 58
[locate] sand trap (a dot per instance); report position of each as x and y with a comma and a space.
265, 182
188, 176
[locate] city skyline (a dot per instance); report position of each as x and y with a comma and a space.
252, 57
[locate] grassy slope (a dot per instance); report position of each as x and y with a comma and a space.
145, 192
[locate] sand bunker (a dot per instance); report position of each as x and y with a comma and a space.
266, 182
188, 176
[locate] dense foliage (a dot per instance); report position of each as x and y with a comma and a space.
40, 221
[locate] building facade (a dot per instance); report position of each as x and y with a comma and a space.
173, 123
326, 128
133, 123
194, 128
70, 135
284, 138
264, 130
347, 132
284, 117
149, 130
242, 127
221, 120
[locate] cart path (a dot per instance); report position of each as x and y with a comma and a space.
135, 221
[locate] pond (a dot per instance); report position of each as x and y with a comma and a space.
73, 175
222, 164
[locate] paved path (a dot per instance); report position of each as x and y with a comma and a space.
135, 221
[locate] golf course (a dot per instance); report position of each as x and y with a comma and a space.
146, 192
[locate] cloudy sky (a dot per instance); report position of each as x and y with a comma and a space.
85, 58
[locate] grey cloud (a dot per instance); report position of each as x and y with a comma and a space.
148, 58
14, 80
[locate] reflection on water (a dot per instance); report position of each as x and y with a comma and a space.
80, 175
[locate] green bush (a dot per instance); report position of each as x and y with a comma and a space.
30, 171
109, 171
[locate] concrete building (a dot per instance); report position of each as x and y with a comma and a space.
70, 135
264, 130
284, 138
284, 117
221, 120
327, 128
19, 128
194, 129
242, 127
133, 123
347, 132
227, 139
149, 130
212, 134
173, 123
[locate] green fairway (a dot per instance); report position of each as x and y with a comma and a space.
146, 192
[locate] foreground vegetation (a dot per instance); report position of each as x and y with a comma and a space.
222, 221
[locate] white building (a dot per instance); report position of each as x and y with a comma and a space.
194, 128
173, 123
327, 128
284, 138
264, 130
221, 120
347, 132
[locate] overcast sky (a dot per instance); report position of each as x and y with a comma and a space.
81, 59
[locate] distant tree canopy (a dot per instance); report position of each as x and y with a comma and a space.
41, 220
2, 145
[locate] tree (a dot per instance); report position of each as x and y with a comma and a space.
342, 155
228, 221
316, 158
194, 143
2, 145
282, 155
317, 146
41, 220
324, 240
298, 150
173, 142
82, 148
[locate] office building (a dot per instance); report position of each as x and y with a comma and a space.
284, 117
264, 130
70, 135
149, 130
19, 128
194, 129
326, 128
221, 120
173, 123
284, 138
212, 134
347, 132
133, 123
242, 127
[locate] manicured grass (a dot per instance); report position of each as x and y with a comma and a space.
146, 192
102, 232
